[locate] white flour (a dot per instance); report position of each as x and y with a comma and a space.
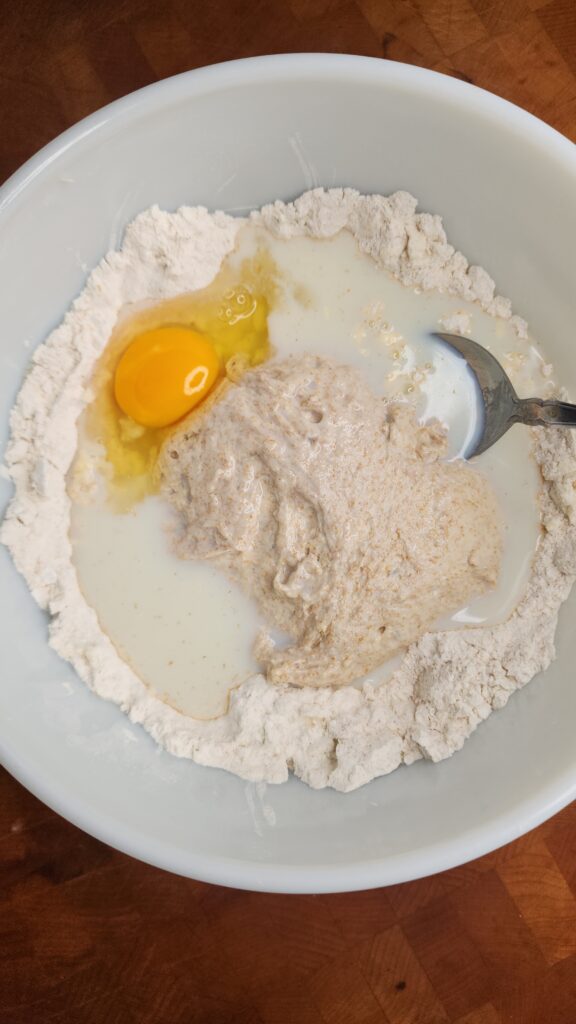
447, 682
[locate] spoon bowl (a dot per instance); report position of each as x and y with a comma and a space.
501, 407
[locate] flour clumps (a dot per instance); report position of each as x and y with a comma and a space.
447, 682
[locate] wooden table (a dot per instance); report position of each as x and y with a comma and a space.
89, 935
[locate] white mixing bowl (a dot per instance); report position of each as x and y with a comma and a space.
235, 136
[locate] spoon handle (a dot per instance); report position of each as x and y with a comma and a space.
536, 412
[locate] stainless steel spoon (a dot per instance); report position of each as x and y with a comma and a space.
502, 407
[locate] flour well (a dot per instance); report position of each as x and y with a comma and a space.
447, 682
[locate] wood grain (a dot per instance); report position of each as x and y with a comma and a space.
62, 59
88, 935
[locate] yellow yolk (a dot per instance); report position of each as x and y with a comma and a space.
140, 380
163, 374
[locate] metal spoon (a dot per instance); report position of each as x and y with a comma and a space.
502, 407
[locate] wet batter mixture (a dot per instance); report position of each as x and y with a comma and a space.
335, 510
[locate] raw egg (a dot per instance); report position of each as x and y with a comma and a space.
163, 360
163, 374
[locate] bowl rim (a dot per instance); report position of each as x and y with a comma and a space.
215, 76
279, 877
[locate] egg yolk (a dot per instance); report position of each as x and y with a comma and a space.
163, 359
163, 374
